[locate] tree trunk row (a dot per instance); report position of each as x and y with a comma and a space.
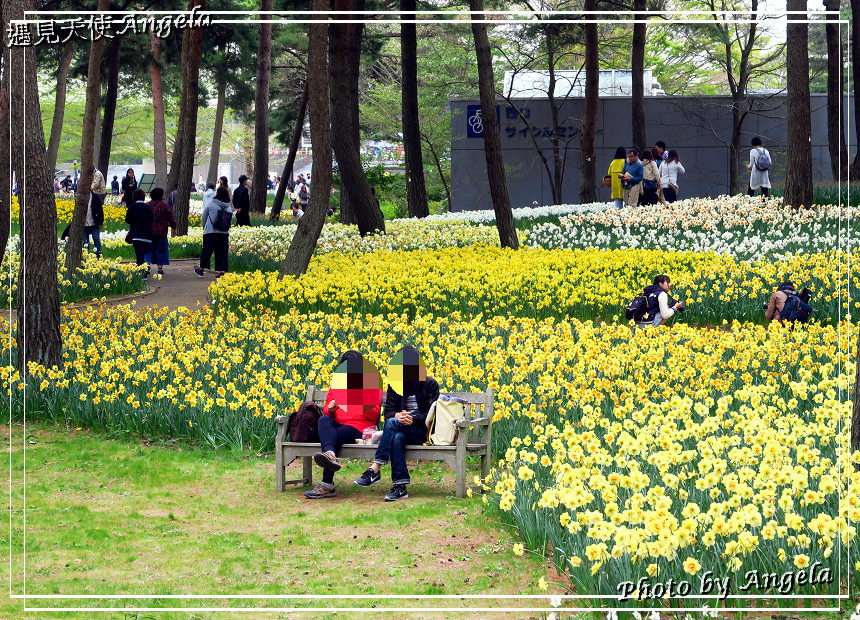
159, 130
416, 193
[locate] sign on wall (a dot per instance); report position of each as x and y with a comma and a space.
474, 122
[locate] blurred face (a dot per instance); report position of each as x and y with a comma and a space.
632, 157
665, 286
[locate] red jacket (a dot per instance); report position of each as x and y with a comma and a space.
355, 418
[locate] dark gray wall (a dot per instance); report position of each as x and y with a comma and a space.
698, 127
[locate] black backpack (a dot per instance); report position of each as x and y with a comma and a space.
637, 308
223, 219
795, 309
302, 424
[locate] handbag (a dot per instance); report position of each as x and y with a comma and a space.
607, 181
649, 185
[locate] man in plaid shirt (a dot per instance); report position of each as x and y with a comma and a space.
162, 218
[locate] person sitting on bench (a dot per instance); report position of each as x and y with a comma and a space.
348, 411
407, 401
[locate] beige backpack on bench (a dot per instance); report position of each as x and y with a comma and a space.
442, 418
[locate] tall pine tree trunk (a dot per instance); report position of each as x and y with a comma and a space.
855, 62
835, 134
353, 65
798, 174
74, 242
38, 326
492, 142
735, 146
416, 193
181, 169
637, 65
342, 93
311, 224
557, 177
261, 112
159, 134
110, 104
215, 155
5, 155
59, 104
587, 163
278, 204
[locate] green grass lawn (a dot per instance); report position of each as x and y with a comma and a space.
115, 515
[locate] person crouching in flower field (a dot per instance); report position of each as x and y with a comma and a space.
407, 402
660, 307
351, 405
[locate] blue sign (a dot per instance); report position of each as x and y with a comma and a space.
474, 122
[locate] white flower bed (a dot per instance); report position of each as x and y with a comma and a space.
743, 227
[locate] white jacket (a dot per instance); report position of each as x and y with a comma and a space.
669, 173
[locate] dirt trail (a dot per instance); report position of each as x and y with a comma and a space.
179, 287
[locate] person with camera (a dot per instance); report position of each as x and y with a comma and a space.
661, 307
775, 309
631, 177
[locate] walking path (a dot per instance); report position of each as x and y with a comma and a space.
180, 287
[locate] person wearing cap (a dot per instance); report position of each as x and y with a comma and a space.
408, 399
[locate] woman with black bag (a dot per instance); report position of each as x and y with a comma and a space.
139, 220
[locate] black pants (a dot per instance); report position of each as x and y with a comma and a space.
333, 435
140, 250
764, 191
670, 194
219, 243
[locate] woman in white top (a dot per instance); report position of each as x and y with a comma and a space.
759, 179
669, 172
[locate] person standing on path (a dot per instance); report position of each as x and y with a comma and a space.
129, 185
631, 178
114, 186
242, 202
98, 185
214, 240
616, 167
760, 167
162, 218
93, 223
139, 220
209, 194
669, 172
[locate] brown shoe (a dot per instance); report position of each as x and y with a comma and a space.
320, 491
327, 460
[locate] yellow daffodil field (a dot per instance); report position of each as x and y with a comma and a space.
587, 284
708, 457
95, 279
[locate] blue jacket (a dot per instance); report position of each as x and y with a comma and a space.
636, 171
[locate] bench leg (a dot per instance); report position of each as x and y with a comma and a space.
280, 476
307, 470
485, 467
461, 478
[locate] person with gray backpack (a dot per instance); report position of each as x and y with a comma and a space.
759, 165
216, 218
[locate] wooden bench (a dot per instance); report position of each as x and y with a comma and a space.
474, 439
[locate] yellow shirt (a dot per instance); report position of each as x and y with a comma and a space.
615, 168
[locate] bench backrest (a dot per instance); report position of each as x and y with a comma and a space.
480, 405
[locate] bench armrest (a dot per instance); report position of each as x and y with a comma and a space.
474, 422
281, 419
